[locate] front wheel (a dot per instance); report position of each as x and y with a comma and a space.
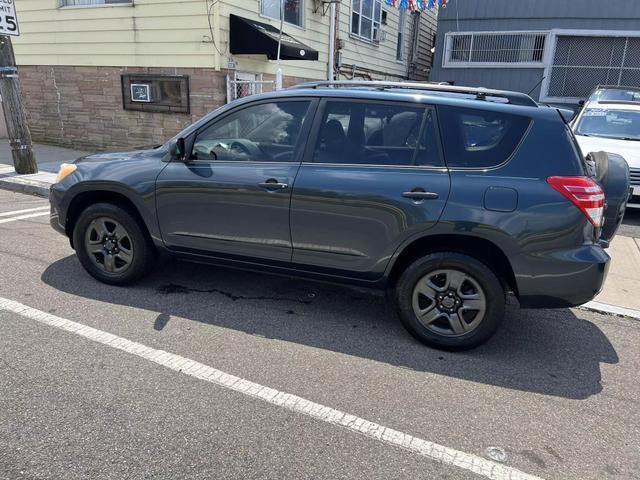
111, 244
450, 301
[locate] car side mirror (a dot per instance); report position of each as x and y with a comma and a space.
177, 149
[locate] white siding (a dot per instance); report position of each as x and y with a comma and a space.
163, 33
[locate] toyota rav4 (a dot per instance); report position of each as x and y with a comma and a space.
450, 197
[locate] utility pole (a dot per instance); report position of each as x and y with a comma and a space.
24, 160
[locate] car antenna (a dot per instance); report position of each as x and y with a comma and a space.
536, 85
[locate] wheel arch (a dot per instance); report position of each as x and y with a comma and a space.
83, 199
480, 248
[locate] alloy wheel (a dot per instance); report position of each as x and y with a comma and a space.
109, 245
449, 302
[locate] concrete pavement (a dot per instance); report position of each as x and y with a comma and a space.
553, 394
622, 288
49, 158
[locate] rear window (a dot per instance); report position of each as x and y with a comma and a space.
479, 138
615, 95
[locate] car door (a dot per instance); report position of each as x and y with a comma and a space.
372, 178
231, 196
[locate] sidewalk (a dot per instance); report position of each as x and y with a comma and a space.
620, 295
622, 288
49, 159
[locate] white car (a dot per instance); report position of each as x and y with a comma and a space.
612, 126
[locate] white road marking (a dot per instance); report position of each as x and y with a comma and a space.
23, 217
26, 210
424, 448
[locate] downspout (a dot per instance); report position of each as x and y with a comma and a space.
217, 60
331, 62
278, 68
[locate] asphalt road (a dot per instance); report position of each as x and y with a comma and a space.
631, 224
554, 394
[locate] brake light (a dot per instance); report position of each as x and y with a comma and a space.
584, 193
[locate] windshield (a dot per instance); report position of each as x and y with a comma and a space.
618, 124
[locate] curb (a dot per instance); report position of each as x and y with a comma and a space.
611, 310
23, 185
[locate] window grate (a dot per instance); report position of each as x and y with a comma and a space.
244, 84
581, 63
495, 49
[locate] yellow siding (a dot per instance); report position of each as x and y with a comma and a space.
381, 56
163, 33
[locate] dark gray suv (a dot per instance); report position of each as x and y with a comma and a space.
451, 197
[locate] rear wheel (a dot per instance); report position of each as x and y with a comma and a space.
112, 245
449, 300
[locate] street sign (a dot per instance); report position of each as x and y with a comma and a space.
8, 18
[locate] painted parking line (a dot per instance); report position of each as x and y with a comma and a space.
24, 217
26, 210
418, 446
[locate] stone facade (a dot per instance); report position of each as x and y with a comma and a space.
81, 107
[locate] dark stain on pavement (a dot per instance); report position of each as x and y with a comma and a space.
161, 321
172, 288
550, 450
534, 458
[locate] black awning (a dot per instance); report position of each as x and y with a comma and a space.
250, 38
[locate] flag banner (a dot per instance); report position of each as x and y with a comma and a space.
416, 5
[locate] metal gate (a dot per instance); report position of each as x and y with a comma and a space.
244, 84
581, 62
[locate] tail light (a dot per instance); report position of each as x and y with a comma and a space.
584, 193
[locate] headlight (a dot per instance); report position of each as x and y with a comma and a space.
65, 170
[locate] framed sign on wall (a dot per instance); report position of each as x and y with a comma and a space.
155, 93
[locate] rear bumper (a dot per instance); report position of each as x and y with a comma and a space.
562, 278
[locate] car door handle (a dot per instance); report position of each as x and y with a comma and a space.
420, 195
273, 184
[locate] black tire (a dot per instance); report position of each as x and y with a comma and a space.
478, 274
142, 249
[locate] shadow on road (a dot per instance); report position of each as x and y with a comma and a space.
552, 352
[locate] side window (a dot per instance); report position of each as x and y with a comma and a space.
479, 138
375, 134
267, 132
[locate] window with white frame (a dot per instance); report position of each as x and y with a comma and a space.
494, 48
365, 19
90, 3
293, 10
402, 21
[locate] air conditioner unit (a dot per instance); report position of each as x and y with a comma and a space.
379, 35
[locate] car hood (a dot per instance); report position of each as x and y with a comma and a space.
118, 156
628, 149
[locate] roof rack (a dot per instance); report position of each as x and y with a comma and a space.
480, 93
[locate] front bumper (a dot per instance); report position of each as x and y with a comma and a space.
562, 278
56, 216
634, 199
